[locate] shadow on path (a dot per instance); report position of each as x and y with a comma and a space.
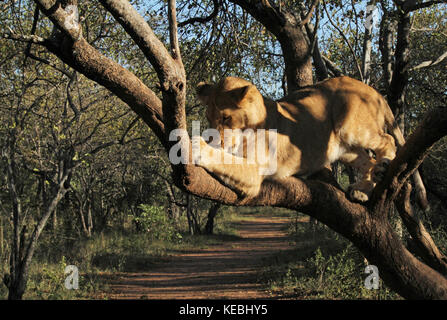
223, 271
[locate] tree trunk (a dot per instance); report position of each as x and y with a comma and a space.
189, 215
321, 71
366, 226
387, 27
289, 32
89, 219
1, 237
82, 219
397, 89
367, 41
211, 215
54, 220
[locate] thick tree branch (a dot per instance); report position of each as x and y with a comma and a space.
397, 90
145, 38
291, 36
173, 34
66, 19
399, 80
386, 46
410, 156
77, 53
124, 84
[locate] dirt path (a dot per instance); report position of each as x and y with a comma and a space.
224, 271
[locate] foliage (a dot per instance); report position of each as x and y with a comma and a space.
51, 117
321, 266
154, 221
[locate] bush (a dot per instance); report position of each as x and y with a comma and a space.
322, 265
154, 221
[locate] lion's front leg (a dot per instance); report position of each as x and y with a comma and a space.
235, 172
359, 159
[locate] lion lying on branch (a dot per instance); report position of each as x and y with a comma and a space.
339, 119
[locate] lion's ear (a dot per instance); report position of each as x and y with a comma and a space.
204, 91
242, 93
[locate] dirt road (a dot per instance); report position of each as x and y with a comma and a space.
224, 271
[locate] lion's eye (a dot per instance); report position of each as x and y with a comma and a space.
226, 119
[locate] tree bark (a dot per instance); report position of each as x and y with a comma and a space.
366, 226
397, 89
367, 41
212, 212
386, 48
289, 31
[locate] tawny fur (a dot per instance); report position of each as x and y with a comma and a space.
335, 120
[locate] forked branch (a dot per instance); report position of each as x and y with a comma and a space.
410, 156
371, 233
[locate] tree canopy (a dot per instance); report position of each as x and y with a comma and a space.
90, 91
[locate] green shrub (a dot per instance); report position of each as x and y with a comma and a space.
322, 265
154, 221
47, 282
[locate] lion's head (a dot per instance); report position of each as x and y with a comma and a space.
234, 104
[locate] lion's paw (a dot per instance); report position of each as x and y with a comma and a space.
358, 195
361, 191
204, 157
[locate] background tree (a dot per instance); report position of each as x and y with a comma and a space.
164, 106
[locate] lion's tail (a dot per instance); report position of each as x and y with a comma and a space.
394, 130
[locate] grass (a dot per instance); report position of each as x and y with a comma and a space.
100, 257
322, 265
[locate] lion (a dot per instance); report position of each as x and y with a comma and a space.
338, 119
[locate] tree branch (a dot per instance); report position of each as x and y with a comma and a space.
354, 56
33, 31
427, 248
429, 63
410, 156
308, 16
203, 19
291, 36
173, 35
66, 19
153, 49
409, 6
24, 38
332, 66
120, 81
386, 46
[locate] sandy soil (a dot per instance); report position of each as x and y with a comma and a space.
224, 271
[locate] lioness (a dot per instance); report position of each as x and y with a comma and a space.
336, 119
